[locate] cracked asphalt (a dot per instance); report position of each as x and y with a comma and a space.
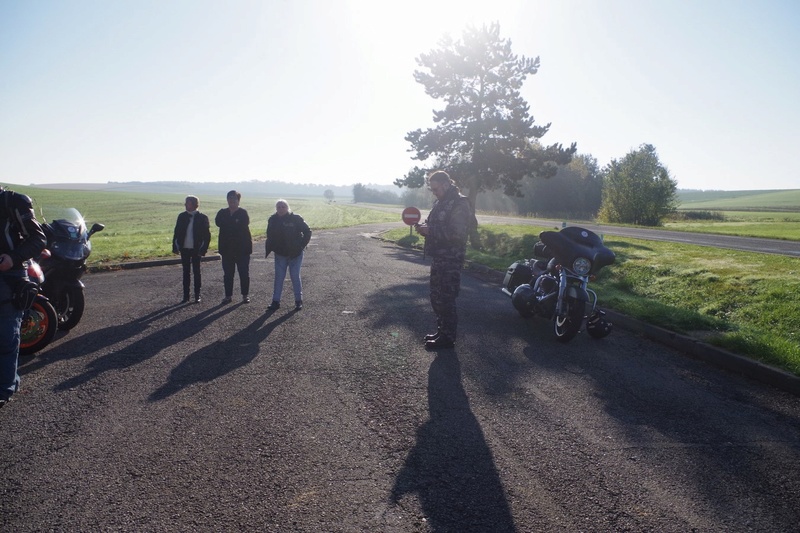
156, 416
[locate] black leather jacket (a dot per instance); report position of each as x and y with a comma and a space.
287, 235
22, 236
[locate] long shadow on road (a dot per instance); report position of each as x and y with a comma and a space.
140, 350
93, 341
219, 358
450, 467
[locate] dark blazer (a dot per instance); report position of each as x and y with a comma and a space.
234, 232
200, 229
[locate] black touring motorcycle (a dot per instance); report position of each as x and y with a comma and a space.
555, 286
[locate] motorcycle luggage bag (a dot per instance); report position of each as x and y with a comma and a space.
518, 273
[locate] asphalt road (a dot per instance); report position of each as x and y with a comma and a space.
153, 416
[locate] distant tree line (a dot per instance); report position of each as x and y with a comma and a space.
364, 194
636, 189
574, 192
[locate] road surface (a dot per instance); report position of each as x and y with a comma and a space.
154, 416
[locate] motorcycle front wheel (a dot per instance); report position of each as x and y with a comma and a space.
569, 325
69, 307
39, 327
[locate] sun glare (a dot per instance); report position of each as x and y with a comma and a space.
418, 25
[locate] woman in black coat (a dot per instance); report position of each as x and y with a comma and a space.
235, 246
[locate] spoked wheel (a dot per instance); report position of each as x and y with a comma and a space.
39, 327
569, 325
69, 307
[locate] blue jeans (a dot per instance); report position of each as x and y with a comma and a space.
282, 262
229, 266
10, 322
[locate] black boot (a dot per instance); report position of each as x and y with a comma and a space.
440, 342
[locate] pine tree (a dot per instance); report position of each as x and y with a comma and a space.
485, 136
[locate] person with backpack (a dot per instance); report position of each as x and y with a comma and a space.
22, 239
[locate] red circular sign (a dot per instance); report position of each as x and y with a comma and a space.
411, 215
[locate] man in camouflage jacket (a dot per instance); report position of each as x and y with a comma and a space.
445, 230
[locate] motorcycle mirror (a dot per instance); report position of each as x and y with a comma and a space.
95, 228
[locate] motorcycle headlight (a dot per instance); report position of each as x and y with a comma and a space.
581, 266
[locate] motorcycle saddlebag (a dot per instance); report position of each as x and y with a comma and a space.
517, 274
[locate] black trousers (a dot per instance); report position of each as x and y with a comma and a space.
230, 263
190, 260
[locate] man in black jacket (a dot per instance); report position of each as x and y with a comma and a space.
22, 239
287, 236
190, 239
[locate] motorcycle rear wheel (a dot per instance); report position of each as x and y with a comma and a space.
569, 325
39, 327
69, 308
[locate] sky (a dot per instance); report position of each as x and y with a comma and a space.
322, 91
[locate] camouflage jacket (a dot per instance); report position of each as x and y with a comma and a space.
448, 225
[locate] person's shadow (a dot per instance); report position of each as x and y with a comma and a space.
219, 358
139, 351
451, 467
92, 341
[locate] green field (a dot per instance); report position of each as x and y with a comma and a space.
767, 214
777, 200
139, 226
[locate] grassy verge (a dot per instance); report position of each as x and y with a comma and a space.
742, 301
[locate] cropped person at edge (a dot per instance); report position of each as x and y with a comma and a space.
287, 236
191, 239
22, 240
235, 246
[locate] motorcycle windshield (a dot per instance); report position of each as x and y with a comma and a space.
66, 233
573, 242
